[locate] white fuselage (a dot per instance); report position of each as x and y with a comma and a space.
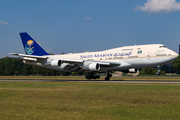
125, 59
139, 56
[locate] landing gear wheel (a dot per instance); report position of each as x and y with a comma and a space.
88, 77
158, 73
107, 78
97, 76
109, 75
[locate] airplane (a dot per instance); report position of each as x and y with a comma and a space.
126, 59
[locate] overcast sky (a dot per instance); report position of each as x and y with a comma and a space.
71, 26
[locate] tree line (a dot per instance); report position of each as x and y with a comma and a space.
10, 66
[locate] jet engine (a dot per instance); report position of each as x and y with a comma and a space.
54, 63
132, 70
92, 67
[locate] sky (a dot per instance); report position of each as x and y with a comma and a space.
73, 26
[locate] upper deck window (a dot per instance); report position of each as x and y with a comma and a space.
162, 46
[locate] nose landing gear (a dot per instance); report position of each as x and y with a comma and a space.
159, 70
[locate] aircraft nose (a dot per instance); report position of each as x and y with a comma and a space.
175, 55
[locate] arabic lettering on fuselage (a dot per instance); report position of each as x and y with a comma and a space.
105, 55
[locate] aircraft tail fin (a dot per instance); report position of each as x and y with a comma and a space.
31, 47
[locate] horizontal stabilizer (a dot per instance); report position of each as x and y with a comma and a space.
18, 58
30, 56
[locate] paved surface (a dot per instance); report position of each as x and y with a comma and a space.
101, 81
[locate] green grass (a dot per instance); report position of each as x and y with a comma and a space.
94, 101
83, 78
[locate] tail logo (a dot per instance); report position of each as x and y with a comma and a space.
28, 47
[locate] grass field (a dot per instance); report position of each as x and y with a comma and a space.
82, 101
83, 78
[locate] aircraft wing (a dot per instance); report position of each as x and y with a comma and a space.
43, 57
65, 64
71, 61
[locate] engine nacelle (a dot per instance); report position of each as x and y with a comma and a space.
54, 63
132, 70
92, 67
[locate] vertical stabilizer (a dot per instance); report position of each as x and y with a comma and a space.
31, 47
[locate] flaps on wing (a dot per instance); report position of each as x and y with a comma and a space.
71, 61
110, 63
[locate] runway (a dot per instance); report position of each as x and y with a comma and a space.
97, 81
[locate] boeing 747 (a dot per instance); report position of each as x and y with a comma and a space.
125, 59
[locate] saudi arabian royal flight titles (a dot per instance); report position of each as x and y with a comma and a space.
106, 55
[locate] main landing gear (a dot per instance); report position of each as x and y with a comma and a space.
92, 76
108, 76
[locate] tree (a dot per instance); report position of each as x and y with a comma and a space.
176, 65
2, 66
150, 71
8, 66
74, 73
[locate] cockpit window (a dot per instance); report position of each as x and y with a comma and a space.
162, 46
